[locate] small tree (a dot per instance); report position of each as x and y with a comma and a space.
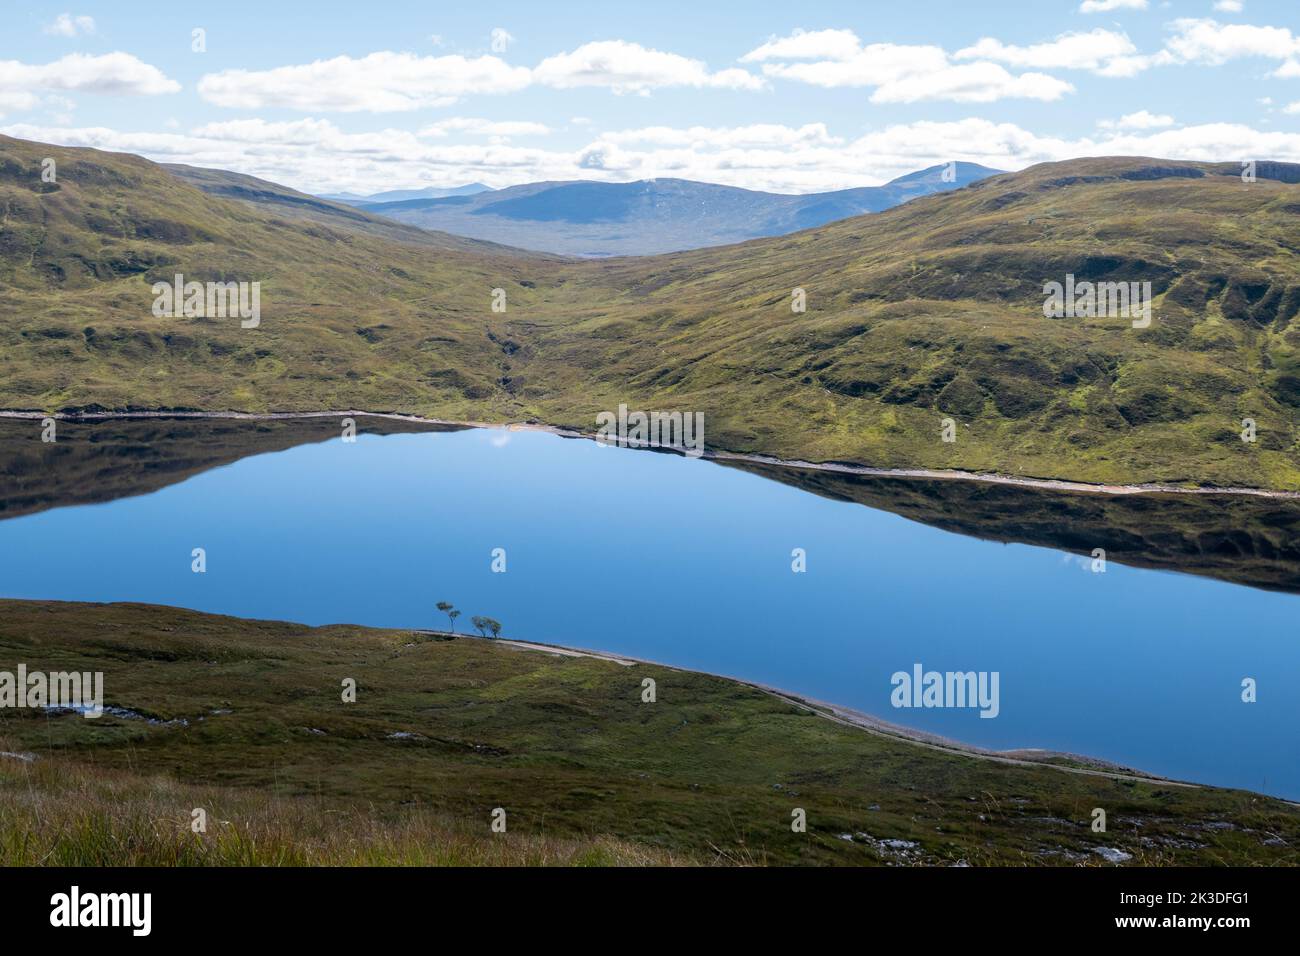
493, 625
480, 624
451, 613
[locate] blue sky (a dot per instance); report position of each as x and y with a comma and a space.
789, 97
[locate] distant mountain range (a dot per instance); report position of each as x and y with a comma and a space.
650, 216
399, 195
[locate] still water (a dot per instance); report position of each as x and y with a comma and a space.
689, 563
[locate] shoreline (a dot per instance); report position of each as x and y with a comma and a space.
868, 471
845, 716
860, 720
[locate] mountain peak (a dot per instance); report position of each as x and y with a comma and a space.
961, 174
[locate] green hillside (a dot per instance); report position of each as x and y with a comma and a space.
934, 309
926, 311
351, 313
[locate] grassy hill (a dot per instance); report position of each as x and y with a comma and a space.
245, 719
934, 309
929, 310
356, 309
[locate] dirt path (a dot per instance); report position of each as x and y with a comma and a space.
1048, 484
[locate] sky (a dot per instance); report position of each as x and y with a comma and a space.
332, 97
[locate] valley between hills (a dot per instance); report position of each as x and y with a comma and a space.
926, 311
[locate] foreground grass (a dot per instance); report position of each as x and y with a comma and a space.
445, 731
59, 812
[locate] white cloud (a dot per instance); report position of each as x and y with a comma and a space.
394, 82
381, 82
1142, 119
1212, 43
1207, 42
67, 25
1106, 6
12, 101
501, 39
303, 132
1208, 142
899, 73
1127, 66
1070, 51
1292, 107
802, 45
315, 155
704, 137
972, 83
875, 65
631, 68
1229, 6
118, 74
483, 127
